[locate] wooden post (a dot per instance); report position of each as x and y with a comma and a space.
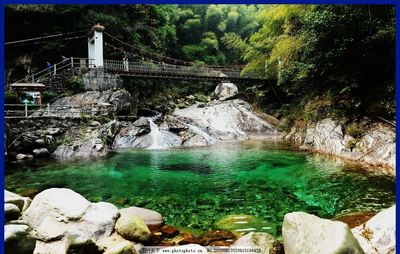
55, 69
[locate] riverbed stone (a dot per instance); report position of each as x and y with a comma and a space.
306, 233
58, 213
21, 202
132, 228
153, 219
225, 90
169, 231
22, 156
41, 152
18, 239
264, 242
215, 235
11, 212
378, 235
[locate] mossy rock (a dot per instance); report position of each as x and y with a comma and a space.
132, 228
243, 223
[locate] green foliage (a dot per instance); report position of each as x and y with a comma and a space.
354, 130
10, 97
74, 84
48, 95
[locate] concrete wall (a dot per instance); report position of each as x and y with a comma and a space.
97, 80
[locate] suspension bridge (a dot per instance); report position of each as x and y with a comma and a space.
152, 65
146, 64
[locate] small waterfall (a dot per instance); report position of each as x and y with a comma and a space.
161, 138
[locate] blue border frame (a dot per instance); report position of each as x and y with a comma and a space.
2, 53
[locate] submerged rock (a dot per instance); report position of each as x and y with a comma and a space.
264, 242
306, 233
378, 235
210, 237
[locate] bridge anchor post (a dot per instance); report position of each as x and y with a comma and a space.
95, 46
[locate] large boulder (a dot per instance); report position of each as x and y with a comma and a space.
306, 233
18, 239
378, 235
264, 242
225, 90
227, 120
153, 219
124, 247
21, 202
59, 215
132, 228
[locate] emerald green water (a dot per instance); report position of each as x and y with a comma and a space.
196, 187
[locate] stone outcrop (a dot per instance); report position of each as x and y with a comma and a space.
61, 217
377, 146
306, 233
84, 142
264, 243
378, 235
91, 103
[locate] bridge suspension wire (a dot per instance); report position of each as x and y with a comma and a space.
170, 59
107, 44
42, 37
47, 41
149, 52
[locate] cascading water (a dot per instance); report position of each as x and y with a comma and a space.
200, 132
161, 138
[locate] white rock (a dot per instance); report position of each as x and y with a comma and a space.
12, 198
59, 213
227, 120
225, 90
378, 234
306, 233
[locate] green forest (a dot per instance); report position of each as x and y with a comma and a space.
320, 60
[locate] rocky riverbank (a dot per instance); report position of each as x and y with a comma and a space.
375, 144
59, 221
70, 134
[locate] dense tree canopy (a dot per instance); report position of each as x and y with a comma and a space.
344, 51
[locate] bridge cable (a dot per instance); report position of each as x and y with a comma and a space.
47, 41
42, 37
170, 58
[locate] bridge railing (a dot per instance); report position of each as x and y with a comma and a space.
169, 69
47, 110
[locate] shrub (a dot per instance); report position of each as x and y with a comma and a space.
354, 130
